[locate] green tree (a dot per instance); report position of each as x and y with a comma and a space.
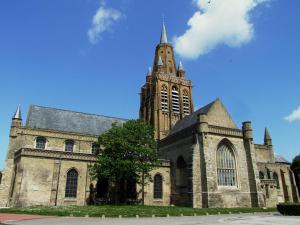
296, 163
128, 153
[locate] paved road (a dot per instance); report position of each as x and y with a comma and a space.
258, 219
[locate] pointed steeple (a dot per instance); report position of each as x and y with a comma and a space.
180, 67
267, 138
17, 114
160, 62
149, 71
163, 37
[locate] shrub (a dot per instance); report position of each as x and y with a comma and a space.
289, 209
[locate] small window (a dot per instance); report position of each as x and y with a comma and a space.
71, 184
158, 186
69, 146
261, 175
95, 149
40, 143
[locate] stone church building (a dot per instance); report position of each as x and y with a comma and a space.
206, 159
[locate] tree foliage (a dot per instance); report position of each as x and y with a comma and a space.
128, 152
296, 163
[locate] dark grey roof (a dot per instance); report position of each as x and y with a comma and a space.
69, 121
281, 159
190, 119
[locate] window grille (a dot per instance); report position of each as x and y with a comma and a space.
186, 103
164, 99
158, 186
71, 184
40, 143
226, 166
69, 146
175, 100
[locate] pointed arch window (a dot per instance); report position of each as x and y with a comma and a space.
158, 187
69, 146
275, 177
164, 98
175, 100
40, 143
226, 166
186, 102
71, 184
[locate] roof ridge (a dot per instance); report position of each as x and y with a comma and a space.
67, 110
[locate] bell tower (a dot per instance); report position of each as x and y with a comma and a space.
166, 97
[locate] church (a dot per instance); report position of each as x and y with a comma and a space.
207, 160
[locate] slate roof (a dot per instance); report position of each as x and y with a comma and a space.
69, 121
281, 159
190, 119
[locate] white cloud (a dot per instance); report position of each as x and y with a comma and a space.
102, 20
216, 22
295, 115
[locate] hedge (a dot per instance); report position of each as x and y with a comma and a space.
289, 209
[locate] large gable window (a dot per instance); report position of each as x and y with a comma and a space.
71, 184
226, 166
69, 146
40, 143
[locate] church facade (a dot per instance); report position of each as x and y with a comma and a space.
206, 159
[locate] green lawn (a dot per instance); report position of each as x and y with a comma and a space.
126, 211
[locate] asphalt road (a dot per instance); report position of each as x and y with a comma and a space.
243, 219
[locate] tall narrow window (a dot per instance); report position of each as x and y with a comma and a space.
164, 98
175, 100
226, 166
69, 146
40, 143
71, 184
275, 177
186, 102
158, 186
261, 175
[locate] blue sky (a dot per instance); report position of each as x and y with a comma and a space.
250, 58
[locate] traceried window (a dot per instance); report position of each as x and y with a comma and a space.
164, 98
275, 177
175, 100
226, 166
69, 146
186, 102
158, 187
40, 143
95, 148
71, 184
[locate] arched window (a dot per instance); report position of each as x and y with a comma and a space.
181, 172
175, 100
95, 148
71, 184
69, 146
40, 143
186, 102
164, 98
226, 166
275, 177
158, 186
261, 175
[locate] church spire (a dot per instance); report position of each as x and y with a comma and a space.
17, 114
267, 138
163, 37
180, 67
